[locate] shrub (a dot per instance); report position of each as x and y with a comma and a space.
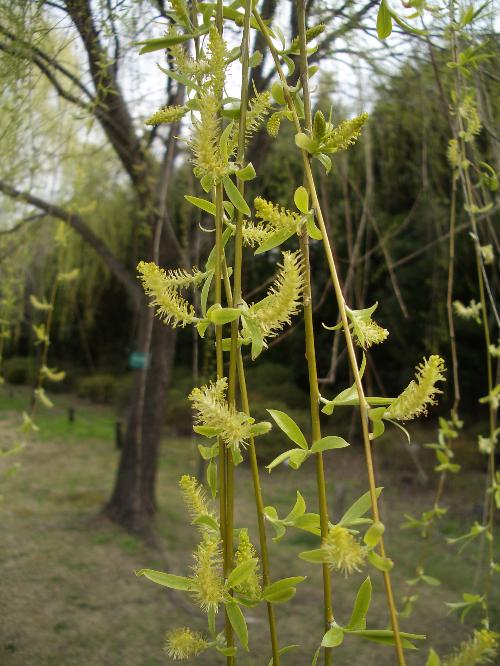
19, 370
100, 388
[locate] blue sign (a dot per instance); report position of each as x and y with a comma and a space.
138, 360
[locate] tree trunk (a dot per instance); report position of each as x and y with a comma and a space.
133, 502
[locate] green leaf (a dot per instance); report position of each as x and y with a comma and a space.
207, 521
361, 606
309, 523
283, 650
277, 93
204, 294
316, 655
301, 199
240, 573
289, 427
384, 21
376, 417
328, 443
212, 477
279, 459
274, 240
297, 457
235, 196
210, 265
282, 585
374, 534
166, 579
325, 160
227, 651
255, 332
282, 596
433, 659
298, 509
224, 141
211, 622
315, 556
430, 580
354, 513
333, 637
204, 204
161, 43
379, 562
304, 142
177, 76
247, 173
255, 59
261, 428
238, 623
206, 431
386, 636
312, 229
219, 315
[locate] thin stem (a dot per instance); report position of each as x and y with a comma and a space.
459, 133
363, 406
311, 353
449, 297
225, 536
316, 434
259, 502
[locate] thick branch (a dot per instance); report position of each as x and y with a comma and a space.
86, 233
111, 109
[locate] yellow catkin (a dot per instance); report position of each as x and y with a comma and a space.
212, 410
171, 306
194, 496
208, 582
420, 392
183, 643
367, 332
342, 551
344, 135
168, 114
481, 649
283, 299
252, 587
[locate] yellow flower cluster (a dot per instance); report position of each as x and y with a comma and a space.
208, 581
194, 496
283, 299
168, 114
420, 392
342, 551
233, 427
183, 643
482, 648
162, 287
252, 586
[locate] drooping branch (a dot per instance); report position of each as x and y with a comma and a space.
80, 226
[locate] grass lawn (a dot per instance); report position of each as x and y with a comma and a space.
68, 593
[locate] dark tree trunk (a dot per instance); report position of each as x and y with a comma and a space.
133, 501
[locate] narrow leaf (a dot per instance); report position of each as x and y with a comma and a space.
327, 443
235, 196
166, 579
361, 606
204, 204
289, 427
240, 573
333, 637
238, 623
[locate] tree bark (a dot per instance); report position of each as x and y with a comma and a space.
133, 501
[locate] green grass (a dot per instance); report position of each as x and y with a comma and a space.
69, 595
